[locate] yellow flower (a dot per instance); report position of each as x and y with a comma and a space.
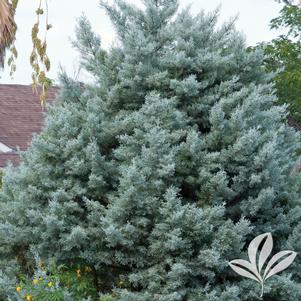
88, 269
121, 283
35, 281
78, 272
18, 289
28, 298
50, 284
40, 264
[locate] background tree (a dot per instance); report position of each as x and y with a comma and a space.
284, 57
290, 2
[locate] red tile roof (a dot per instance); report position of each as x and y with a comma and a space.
21, 115
9, 157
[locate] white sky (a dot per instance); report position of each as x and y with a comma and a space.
254, 17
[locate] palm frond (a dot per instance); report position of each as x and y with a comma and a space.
7, 28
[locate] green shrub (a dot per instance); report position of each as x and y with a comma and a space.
107, 298
57, 283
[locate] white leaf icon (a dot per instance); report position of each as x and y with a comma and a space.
251, 270
235, 265
265, 251
282, 265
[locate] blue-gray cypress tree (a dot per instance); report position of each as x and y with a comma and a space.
161, 171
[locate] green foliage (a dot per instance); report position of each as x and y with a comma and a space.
161, 171
107, 298
290, 19
1, 176
283, 56
56, 283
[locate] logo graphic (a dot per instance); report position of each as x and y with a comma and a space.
253, 269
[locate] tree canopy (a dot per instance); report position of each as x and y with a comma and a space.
283, 57
162, 170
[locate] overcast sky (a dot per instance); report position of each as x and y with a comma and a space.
254, 17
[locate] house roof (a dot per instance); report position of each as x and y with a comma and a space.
9, 157
21, 116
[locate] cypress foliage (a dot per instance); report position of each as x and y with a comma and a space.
161, 171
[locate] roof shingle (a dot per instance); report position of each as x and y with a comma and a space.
21, 115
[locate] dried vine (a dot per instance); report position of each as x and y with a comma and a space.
39, 59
